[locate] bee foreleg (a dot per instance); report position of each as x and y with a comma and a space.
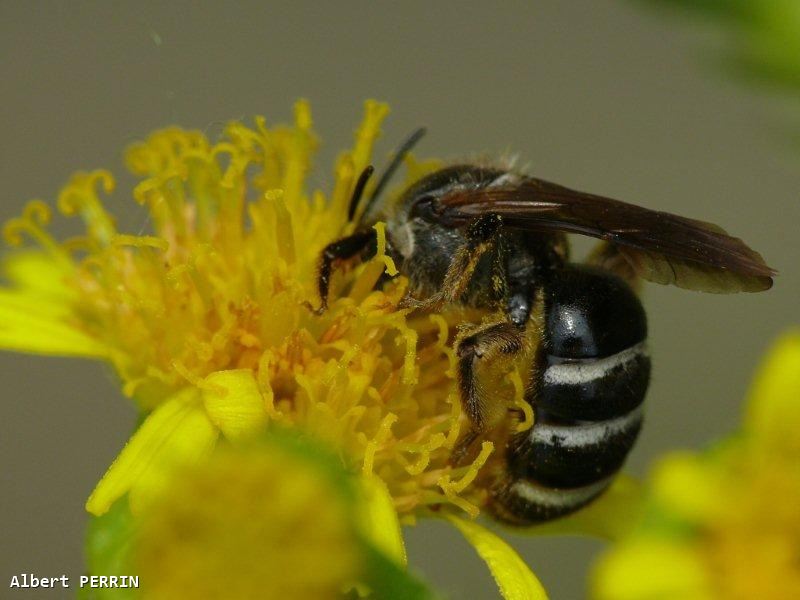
343, 249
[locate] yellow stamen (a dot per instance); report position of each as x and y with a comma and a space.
520, 403
212, 302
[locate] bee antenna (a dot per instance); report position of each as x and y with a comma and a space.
358, 191
399, 155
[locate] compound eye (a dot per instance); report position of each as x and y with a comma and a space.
423, 208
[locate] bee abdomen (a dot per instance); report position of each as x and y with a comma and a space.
587, 397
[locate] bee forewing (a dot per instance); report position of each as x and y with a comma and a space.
659, 246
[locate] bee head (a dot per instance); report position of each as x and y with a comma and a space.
419, 220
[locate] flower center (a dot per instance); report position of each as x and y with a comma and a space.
225, 280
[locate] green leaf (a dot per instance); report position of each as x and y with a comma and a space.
108, 542
763, 41
387, 580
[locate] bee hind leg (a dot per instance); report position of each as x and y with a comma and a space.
465, 449
483, 345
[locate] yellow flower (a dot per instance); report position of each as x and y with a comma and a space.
725, 523
206, 322
249, 524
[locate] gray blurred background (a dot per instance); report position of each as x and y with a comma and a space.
604, 96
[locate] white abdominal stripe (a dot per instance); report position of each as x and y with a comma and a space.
559, 468
585, 435
554, 500
523, 502
592, 389
582, 371
569, 456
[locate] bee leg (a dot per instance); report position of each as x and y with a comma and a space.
607, 256
525, 275
520, 295
462, 451
499, 338
481, 234
500, 289
343, 249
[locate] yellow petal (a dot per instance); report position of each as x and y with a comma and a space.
30, 322
773, 407
36, 271
35, 311
687, 486
650, 570
515, 580
234, 403
175, 434
378, 519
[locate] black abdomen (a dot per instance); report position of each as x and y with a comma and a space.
586, 395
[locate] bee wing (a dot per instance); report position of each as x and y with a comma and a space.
659, 246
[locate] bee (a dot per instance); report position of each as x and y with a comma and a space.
495, 239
